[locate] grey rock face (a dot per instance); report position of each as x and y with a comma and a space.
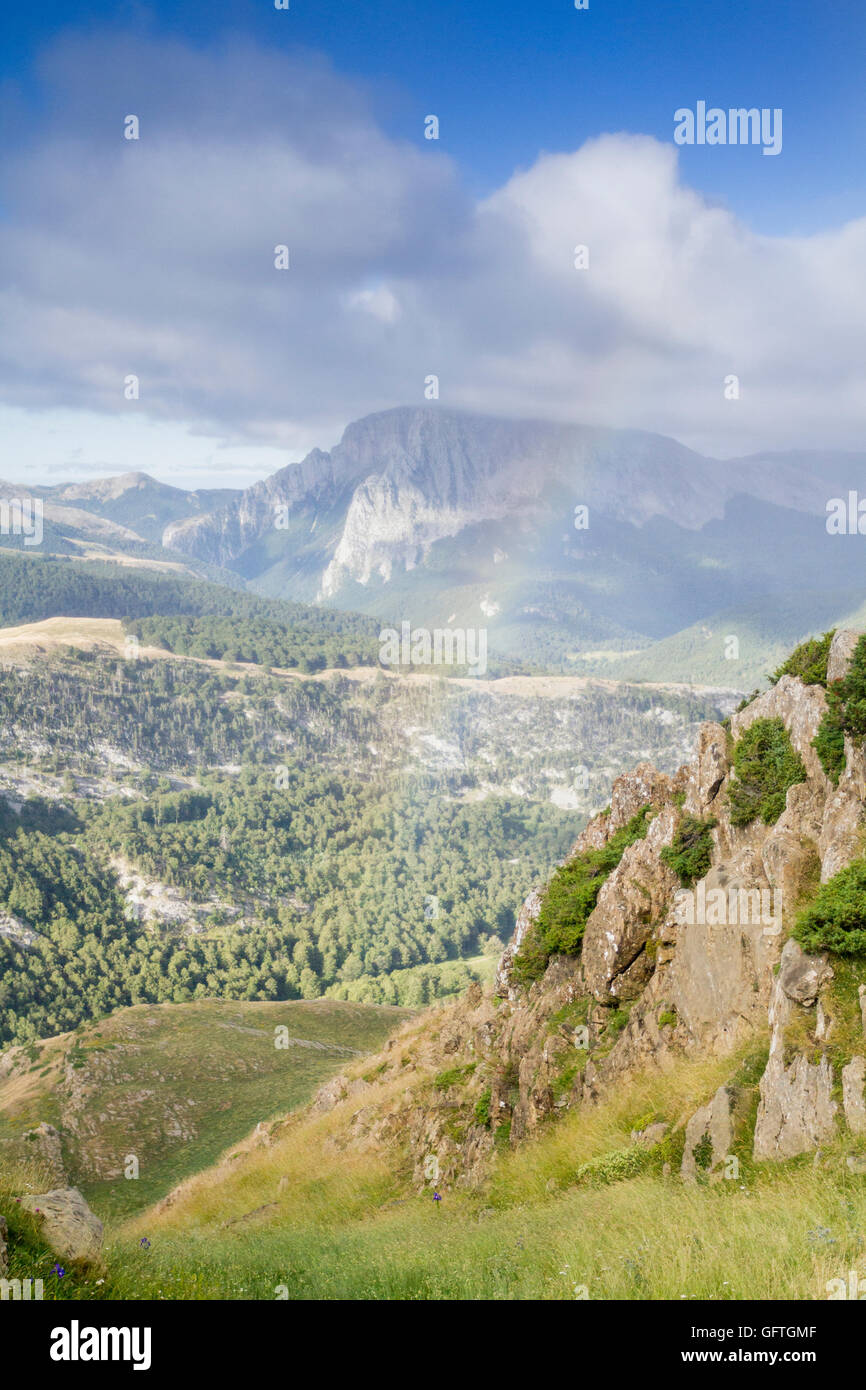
526, 916
801, 976
796, 1113
719, 982
634, 897
68, 1224
853, 1104
841, 650
708, 771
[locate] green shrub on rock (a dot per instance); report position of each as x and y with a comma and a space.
765, 766
829, 743
848, 696
835, 920
690, 853
808, 661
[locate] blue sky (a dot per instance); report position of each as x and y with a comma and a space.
510, 79
412, 257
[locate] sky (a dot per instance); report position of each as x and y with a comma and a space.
410, 257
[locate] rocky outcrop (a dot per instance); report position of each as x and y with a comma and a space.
853, 1077
709, 1137
660, 977
704, 985
708, 771
801, 708
629, 904
67, 1224
503, 985
797, 1112
839, 840
842, 647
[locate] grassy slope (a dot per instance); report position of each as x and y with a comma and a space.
346, 1223
318, 1215
209, 1068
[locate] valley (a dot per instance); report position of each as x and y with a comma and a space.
224, 827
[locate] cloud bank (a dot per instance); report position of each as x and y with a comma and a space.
155, 258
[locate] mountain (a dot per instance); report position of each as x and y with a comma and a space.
437, 516
443, 518
134, 501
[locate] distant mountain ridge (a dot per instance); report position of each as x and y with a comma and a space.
444, 517
420, 474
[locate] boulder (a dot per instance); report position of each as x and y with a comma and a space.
652, 1135
68, 1224
330, 1094
711, 1129
801, 976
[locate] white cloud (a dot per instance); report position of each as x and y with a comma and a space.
156, 258
379, 302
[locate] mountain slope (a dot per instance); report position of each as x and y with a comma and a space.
173, 1085
693, 1088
